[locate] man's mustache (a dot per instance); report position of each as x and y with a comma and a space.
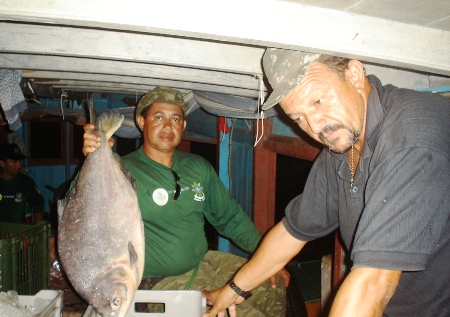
328, 129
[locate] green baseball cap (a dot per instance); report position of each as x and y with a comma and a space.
162, 94
285, 69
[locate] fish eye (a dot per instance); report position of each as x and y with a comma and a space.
318, 102
116, 303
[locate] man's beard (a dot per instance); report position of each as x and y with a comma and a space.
354, 136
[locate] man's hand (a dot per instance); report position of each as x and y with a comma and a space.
221, 299
269, 258
282, 273
92, 141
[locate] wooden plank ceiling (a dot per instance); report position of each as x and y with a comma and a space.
85, 46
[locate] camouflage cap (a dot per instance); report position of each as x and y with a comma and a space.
284, 69
162, 94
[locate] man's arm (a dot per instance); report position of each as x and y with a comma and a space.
277, 248
365, 292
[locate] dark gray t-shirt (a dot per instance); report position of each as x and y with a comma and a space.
397, 215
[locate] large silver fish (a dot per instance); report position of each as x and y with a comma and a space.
100, 234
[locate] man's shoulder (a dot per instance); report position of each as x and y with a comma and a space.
24, 179
402, 101
130, 155
23, 176
415, 118
190, 158
131, 158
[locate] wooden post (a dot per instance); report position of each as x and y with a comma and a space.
338, 262
265, 164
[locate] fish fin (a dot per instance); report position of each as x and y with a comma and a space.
133, 254
61, 204
108, 122
125, 171
131, 179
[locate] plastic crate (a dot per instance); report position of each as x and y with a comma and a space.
53, 309
176, 304
24, 257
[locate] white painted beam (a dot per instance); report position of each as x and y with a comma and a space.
123, 46
254, 22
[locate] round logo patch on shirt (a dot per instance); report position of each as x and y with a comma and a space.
18, 197
160, 196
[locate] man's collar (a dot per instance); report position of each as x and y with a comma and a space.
375, 112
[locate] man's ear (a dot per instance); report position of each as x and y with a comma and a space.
2, 163
355, 74
185, 123
140, 122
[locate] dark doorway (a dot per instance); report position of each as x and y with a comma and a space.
292, 174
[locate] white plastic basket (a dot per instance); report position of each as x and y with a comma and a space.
176, 303
53, 309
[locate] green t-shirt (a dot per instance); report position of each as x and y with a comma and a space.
15, 194
175, 239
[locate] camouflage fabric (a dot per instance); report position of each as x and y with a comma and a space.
285, 69
162, 94
215, 270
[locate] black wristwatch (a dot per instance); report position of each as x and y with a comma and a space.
239, 291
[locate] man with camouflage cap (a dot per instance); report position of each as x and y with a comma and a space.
176, 190
383, 180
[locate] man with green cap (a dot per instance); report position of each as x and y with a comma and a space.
383, 180
176, 190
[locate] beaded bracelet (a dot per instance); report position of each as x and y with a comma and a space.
239, 291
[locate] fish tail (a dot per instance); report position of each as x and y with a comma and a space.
108, 122
92, 116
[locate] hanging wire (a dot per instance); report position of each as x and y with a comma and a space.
260, 112
248, 125
61, 102
46, 108
32, 92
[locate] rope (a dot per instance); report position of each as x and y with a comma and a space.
260, 112
194, 274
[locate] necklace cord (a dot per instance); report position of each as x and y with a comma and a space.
352, 174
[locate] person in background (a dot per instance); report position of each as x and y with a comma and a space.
176, 190
20, 199
383, 180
